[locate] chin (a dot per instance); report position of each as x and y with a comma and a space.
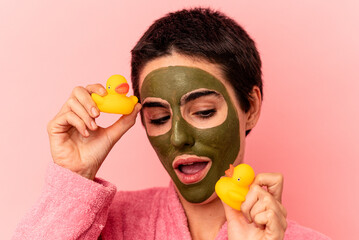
208, 200
211, 198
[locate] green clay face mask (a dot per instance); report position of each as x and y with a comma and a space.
192, 125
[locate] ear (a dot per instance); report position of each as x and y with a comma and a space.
253, 113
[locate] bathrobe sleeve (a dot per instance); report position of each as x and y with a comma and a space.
70, 207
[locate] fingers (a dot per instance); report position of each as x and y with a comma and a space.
258, 200
83, 96
96, 88
83, 112
64, 122
274, 225
273, 182
81, 104
80, 111
262, 207
265, 211
121, 126
266, 202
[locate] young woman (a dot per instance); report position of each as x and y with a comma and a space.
197, 74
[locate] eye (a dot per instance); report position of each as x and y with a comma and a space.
238, 179
206, 113
109, 87
160, 121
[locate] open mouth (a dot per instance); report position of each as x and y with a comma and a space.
191, 169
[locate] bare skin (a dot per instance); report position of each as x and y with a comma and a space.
78, 144
262, 215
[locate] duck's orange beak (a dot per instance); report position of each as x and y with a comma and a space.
122, 88
229, 172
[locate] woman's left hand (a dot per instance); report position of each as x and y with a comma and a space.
262, 214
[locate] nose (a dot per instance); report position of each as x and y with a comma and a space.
181, 133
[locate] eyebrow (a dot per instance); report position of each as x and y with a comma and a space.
154, 104
195, 95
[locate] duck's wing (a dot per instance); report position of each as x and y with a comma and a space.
236, 195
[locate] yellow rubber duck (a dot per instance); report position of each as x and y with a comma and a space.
116, 100
233, 189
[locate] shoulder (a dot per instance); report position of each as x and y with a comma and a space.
296, 231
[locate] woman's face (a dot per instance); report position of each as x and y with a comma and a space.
193, 122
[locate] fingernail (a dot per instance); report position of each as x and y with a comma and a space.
102, 91
86, 133
93, 125
94, 111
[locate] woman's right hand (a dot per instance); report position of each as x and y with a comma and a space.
76, 142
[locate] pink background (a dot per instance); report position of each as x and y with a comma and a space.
309, 124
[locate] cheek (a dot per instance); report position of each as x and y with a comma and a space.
222, 138
225, 141
162, 146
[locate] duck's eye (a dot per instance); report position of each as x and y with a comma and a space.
109, 87
238, 179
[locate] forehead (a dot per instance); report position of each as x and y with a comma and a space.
175, 81
176, 59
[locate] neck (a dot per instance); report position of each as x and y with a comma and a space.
204, 219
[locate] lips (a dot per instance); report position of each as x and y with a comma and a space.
191, 169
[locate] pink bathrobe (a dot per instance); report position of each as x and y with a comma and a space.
73, 207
